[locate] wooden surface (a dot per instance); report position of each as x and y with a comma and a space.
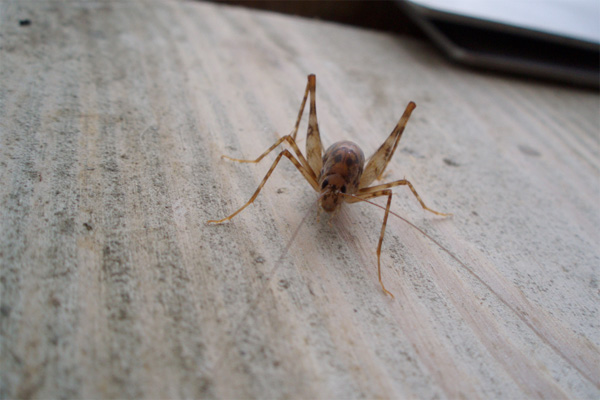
113, 117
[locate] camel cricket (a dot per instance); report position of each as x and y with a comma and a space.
340, 174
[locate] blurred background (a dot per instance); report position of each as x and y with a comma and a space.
557, 40
377, 14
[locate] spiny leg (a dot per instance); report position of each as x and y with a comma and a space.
290, 140
308, 86
380, 159
358, 197
400, 130
402, 182
259, 158
285, 153
314, 147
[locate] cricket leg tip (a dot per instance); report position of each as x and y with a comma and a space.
226, 157
385, 291
441, 214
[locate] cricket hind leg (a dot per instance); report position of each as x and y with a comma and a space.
285, 153
314, 147
306, 91
401, 182
291, 138
381, 158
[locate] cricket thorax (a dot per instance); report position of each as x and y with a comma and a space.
343, 165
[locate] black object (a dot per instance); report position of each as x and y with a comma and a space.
494, 45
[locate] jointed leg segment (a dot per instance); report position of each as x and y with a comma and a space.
381, 158
314, 149
290, 140
400, 182
294, 161
366, 196
384, 190
309, 166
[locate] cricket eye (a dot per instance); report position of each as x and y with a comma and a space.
324, 184
343, 189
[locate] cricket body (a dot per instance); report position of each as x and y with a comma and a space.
343, 165
339, 174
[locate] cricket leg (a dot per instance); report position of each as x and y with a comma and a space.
366, 196
292, 135
294, 161
380, 159
290, 140
295, 131
259, 158
314, 147
402, 182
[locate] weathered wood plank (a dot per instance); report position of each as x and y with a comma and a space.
113, 117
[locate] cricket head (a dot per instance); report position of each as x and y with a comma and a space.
333, 188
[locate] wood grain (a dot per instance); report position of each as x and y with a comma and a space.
113, 118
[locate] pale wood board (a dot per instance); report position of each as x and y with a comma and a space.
113, 117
